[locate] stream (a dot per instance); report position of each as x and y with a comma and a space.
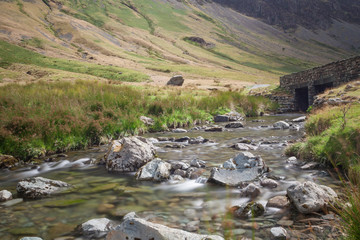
190, 205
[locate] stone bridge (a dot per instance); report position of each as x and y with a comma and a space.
306, 84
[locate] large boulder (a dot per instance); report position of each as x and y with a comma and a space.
38, 187
177, 80
244, 168
129, 154
96, 228
155, 170
5, 195
310, 197
133, 228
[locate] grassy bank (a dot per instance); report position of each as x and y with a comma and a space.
42, 118
333, 139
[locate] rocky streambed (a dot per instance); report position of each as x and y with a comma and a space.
227, 181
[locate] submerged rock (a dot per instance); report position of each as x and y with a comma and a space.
245, 167
5, 195
129, 154
309, 197
37, 187
133, 228
155, 170
96, 228
177, 80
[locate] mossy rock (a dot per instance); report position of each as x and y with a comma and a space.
8, 161
99, 188
26, 231
60, 229
64, 203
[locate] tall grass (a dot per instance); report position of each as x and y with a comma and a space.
43, 118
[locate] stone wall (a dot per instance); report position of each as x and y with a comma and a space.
337, 72
316, 80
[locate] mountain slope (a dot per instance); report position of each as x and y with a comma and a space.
151, 37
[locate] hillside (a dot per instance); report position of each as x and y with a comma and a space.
148, 41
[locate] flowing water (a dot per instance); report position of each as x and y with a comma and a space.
189, 205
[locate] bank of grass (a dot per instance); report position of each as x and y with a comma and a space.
333, 139
43, 118
10, 54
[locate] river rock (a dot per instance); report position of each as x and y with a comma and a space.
147, 121
180, 172
5, 195
251, 191
197, 163
234, 125
281, 125
155, 170
31, 238
175, 165
299, 119
198, 140
278, 233
182, 139
133, 228
214, 129
221, 118
8, 161
129, 154
244, 147
177, 80
96, 228
310, 166
309, 197
251, 209
37, 187
278, 202
268, 183
244, 168
292, 160
179, 130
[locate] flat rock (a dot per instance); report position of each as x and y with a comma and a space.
129, 154
177, 80
96, 228
38, 187
5, 195
133, 228
244, 168
155, 170
310, 197
278, 202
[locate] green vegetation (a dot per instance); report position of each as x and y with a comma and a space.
13, 54
43, 118
351, 214
333, 139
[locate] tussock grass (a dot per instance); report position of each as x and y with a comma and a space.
333, 139
43, 118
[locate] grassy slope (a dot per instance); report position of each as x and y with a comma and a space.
144, 35
43, 118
